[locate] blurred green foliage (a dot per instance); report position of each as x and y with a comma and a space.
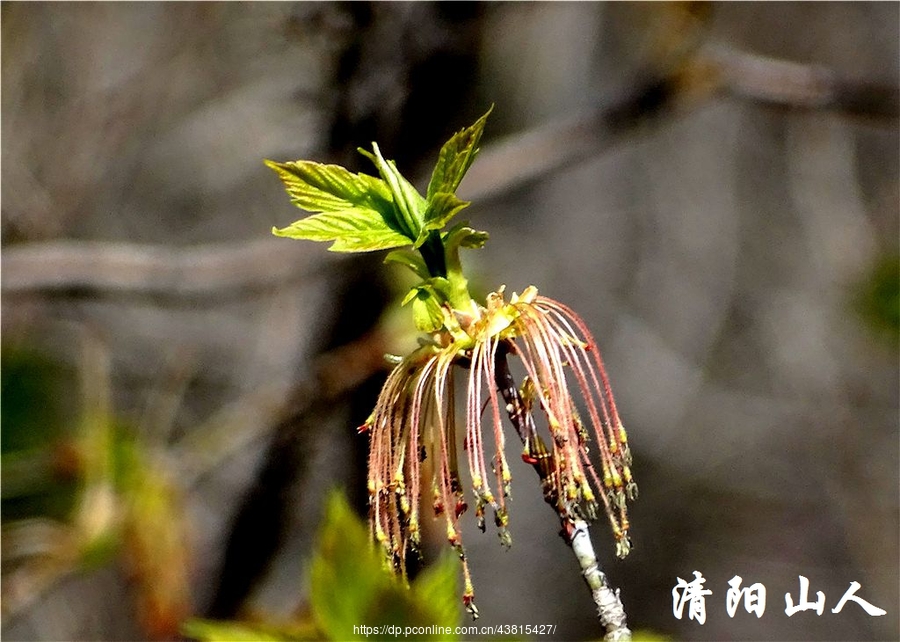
80, 489
643, 635
39, 462
231, 632
878, 300
350, 587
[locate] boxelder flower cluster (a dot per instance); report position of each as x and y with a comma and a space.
562, 409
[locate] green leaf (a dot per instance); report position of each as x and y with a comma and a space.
352, 231
210, 631
455, 158
411, 259
442, 207
426, 299
427, 313
349, 586
437, 586
353, 210
463, 236
331, 188
347, 574
409, 205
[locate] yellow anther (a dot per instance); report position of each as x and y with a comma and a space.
616, 478
528, 295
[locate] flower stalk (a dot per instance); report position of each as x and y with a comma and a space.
562, 408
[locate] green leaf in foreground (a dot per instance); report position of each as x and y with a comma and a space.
436, 587
355, 211
349, 585
210, 631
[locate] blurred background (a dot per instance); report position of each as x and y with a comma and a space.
713, 187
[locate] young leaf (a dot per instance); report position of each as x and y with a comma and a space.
412, 260
427, 313
436, 285
463, 236
441, 208
408, 203
355, 230
426, 303
353, 210
455, 158
331, 188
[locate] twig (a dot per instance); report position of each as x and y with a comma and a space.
800, 86
574, 529
130, 268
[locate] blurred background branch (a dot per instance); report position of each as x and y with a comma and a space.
503, 166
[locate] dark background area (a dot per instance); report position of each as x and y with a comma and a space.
713, 187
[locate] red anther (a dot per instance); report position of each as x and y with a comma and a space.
528, 458
438, 508
461, 508
588, 347
363, 429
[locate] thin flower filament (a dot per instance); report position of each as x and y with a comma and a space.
414, 419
